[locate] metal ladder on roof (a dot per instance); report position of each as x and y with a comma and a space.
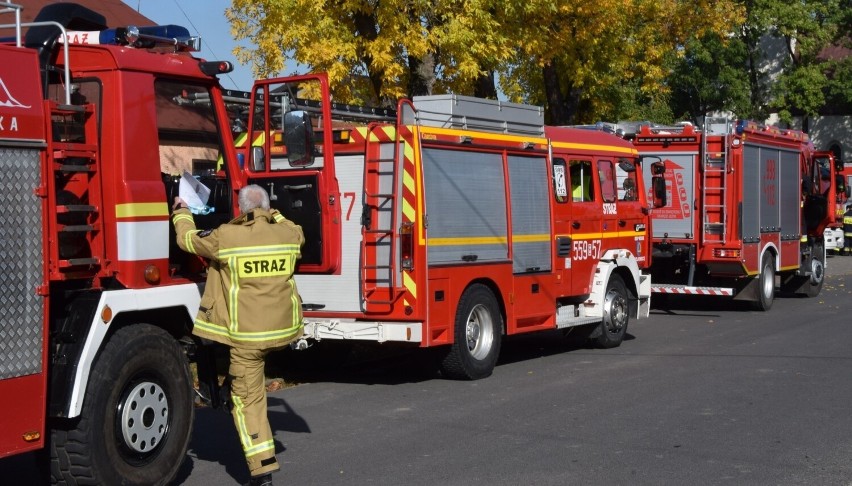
714, 213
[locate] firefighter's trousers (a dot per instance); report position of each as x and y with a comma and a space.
248, 392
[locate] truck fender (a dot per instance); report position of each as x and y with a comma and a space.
118, 301
641, 284
776, 255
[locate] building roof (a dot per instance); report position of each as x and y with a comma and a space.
117, 13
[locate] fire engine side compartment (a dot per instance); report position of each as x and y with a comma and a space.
23, 348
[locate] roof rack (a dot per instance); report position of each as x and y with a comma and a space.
10, 7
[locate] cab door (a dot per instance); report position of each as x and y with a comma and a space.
585, 226
291, 156
630, 204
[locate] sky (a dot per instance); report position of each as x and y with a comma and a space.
207, 19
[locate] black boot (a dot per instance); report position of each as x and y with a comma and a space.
265, 480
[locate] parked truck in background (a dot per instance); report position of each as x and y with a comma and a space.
747, 203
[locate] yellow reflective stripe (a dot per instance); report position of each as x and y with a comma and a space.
257, 250
188, 240
598, 236
181, 217
596, 147
531, 238
296, 306
137, 210
267, 335
241, 139
242, 430
211, 328
262, 447
252, 336
233, 294
476, 240
409, 284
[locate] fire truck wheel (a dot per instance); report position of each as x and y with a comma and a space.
814, 286
766, 283
137, 414
478, 328
616, 314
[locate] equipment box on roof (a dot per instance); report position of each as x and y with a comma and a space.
455, 111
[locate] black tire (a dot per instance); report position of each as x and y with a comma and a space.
616, 314
766, 283
478, 330
814, 285
137, 415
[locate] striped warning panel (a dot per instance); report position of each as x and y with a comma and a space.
688, 290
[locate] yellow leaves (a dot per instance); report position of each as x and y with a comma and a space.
598, 46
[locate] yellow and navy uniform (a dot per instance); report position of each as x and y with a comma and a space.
847, 231
250, 300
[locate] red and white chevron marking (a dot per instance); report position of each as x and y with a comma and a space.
686, 290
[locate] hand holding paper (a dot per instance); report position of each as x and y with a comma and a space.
194, 193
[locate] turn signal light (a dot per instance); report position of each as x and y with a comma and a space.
406, 246
725, 253
152, 274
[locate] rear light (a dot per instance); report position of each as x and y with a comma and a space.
406, 246
726, 253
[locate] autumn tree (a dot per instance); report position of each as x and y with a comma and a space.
609, 59
583, 60
376, 51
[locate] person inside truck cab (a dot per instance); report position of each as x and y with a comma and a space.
629, 186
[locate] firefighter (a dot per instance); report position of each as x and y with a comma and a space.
250, 304
847, 231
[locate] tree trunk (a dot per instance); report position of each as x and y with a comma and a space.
485, 86
421, 75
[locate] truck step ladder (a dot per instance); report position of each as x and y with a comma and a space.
714, 215
74, 185
379, 220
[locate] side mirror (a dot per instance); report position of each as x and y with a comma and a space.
658, 168
299, 138
258, 159
658, 190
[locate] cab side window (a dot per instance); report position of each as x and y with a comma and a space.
582, 189
606, 175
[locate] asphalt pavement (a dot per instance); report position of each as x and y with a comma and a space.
706, 391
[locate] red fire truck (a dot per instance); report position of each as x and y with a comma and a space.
453, 221
747, 203
96, 338
447, 223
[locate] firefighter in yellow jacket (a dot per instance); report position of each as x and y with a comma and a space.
250, 303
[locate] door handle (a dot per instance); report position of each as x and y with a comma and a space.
575, 225
621, 223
